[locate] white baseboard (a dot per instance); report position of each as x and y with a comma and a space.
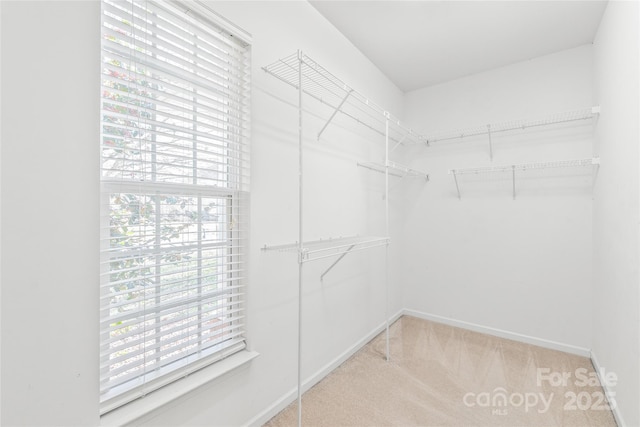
292, 395
540, 342
607, 390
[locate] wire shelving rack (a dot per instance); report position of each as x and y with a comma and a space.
593, 163
491, 129
320, 84
311, 79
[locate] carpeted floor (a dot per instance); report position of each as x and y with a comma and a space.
445, 376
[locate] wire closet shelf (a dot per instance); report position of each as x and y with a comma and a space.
583, 114
326, 88
528, 166
314, 81
304, 74
593, 163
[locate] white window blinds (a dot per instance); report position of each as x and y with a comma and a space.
175, 175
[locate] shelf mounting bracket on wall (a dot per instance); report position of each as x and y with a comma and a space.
399, 143
513, 178
336, 262
335, 111
490, 145
455, 179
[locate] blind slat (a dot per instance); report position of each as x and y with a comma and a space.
124, 292
188, 126
208, 322
120, 185
166, 306
138, 329
141, 386
128, 99
150, 299
178, 333
140, 11
177, 76
201, 161
213, 68
117, 254
167, 310
150, 86
116, 382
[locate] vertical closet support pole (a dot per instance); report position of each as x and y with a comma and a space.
300, 238
386, 215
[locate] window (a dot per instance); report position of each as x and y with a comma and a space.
174, 192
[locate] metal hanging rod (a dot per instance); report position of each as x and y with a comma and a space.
512, 169
493, 128
395, 169
329, 90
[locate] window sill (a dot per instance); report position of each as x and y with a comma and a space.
145, 405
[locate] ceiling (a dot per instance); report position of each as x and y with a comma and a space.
422, 43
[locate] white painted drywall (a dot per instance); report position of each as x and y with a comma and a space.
50, 213
50, 134
515, 265
615, 324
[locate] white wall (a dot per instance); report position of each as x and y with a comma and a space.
50, 135
50, 129
523, 265
616, 332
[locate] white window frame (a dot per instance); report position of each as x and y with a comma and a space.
227, 193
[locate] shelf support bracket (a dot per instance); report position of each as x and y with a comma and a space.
334, 113
513, 177
336, 262
399, 143
490, 145
594, 174
453, 172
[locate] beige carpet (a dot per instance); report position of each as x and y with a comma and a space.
445, 376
